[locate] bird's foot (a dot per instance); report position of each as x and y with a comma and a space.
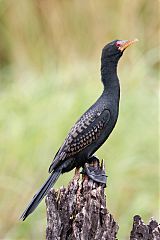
95, 171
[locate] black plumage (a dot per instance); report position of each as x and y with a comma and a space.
94, 126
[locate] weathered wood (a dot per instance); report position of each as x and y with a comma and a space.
141, 231
79, 212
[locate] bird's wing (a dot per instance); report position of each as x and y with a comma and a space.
85, 131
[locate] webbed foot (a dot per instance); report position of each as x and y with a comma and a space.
94, 171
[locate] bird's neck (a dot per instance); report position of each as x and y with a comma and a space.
109, 78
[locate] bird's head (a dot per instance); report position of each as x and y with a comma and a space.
114, 50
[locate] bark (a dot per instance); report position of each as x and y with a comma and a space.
141, 231
79, 212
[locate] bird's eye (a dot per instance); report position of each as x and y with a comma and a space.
118, 44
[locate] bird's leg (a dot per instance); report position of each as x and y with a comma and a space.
95, 171
93, 161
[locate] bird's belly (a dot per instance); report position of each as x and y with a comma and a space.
107, 131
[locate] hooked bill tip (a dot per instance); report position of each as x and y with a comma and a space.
136, 40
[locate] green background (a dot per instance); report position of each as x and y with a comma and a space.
49, 75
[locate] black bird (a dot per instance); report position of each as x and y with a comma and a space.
93, 127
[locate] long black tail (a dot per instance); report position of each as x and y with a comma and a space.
41, 193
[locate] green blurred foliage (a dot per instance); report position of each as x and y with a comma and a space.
50, 60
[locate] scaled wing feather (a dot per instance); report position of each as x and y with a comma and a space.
86, 130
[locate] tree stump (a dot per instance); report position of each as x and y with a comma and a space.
79, 212
141, 231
